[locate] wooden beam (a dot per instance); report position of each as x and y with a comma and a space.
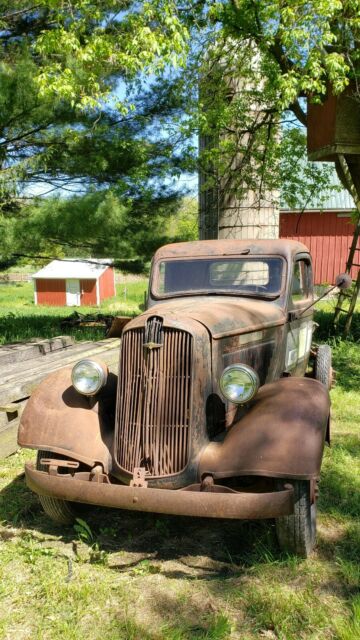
8, 439
55, 361
20, 352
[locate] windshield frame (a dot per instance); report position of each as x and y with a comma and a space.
155, 277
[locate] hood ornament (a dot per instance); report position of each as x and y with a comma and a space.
153, 333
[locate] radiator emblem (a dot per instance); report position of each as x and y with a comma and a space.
152, 345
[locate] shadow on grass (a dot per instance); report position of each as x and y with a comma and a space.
239, 561
228, 542
226, 545
326, 330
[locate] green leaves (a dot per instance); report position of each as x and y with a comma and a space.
80, 50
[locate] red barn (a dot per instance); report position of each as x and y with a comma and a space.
326, 228
74, 282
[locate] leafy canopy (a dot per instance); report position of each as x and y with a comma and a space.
79, 46
66, 122
257, 61
61, 122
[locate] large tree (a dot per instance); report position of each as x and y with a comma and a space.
62, 124
257, 61
73, 116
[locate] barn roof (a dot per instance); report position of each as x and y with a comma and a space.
74, 268
338, 199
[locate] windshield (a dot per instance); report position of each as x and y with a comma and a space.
260, 276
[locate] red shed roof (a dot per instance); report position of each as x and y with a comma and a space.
71, 268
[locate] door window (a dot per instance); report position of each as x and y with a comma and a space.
301, 288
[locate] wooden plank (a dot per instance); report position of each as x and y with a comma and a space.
8, 439
22, 385
24, 388
52, 363
64, 357
20, 352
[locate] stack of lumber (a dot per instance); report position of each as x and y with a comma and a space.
23, 366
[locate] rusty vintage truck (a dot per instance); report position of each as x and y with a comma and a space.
215, 411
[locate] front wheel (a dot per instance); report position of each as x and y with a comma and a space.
296, 533
60, 511
322, 366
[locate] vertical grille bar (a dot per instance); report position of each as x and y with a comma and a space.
154, 396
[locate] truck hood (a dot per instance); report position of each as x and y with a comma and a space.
222, 316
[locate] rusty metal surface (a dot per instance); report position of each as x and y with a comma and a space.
154, 400
285, 248
262, 350
282, 435
57, 418
190, 502
221, 315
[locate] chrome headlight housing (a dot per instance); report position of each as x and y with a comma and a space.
89, 376
239, 383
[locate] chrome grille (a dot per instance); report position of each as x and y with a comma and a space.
154, 399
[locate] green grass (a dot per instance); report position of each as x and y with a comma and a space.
21, 319
133, 576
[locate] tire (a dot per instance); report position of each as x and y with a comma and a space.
60, 511
322, 365
296, 533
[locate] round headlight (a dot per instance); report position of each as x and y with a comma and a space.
239, 383
88, 377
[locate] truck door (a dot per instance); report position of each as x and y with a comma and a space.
300, 320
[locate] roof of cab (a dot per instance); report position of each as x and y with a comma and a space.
286, 248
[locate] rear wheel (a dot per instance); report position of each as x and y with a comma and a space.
322, 365
296, 533
60, 511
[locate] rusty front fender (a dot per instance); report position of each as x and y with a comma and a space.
59, 419
281, 436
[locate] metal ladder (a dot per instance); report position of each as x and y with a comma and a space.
350, 296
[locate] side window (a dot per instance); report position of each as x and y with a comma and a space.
301, 287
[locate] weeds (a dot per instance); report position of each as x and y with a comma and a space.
145, 568
32, 551
86, 535
350, 629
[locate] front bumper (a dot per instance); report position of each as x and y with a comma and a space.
190, 501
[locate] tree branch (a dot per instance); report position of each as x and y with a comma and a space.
299, 112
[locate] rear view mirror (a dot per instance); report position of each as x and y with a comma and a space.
343, 281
